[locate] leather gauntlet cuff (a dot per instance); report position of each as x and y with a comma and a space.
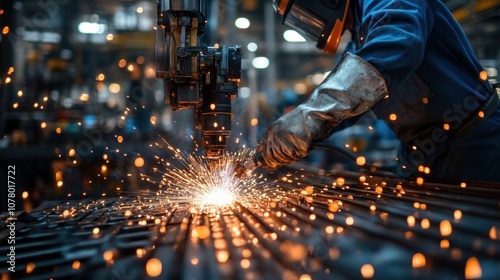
352, 88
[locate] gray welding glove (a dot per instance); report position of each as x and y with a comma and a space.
351, 89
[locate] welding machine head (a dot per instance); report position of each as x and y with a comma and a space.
321, 21
194, 75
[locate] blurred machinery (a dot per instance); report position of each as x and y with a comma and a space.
479, 20
202, 77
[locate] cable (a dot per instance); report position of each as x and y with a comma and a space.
370, 167
329, 147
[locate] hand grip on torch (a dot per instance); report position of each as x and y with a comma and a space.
243, 169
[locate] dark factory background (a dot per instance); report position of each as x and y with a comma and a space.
81, 108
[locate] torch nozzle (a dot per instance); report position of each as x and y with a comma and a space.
243, 169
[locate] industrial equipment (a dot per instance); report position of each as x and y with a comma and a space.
197, 76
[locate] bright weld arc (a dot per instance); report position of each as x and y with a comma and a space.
200, 187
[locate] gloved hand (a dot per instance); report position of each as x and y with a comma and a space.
351, 89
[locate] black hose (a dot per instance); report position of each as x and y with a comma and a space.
332, 148
367, 167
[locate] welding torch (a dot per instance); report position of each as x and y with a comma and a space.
244, 169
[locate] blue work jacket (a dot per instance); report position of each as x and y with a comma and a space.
435, 86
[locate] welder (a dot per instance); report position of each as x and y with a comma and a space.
410, 63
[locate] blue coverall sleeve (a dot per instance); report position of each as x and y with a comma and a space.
396, 33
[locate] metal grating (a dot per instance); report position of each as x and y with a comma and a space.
304, 226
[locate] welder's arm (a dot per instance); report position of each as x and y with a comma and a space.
351, 89
396, 36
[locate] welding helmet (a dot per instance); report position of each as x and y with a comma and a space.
321, 21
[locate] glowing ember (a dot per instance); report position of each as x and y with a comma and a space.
418, 260
76, 265
30, 267
140, 252
367, 271
66, 213
340, 181
493, 233
411, 221
473, 269
329, 229
202, 232
360, 161
139, 162
420, 181
246, 253
425, 223
333, 206
362, 178
245, 263
108, 256
445, 228
153, 267
483, 75
222, 256
334, 253
293, 251
444, 244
